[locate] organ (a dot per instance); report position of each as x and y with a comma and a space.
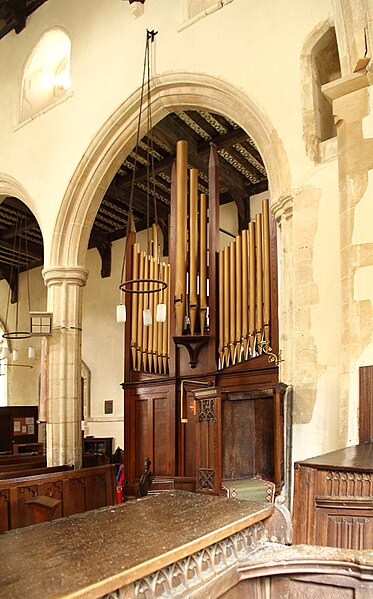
221, 323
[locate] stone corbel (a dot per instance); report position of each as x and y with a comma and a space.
283, 207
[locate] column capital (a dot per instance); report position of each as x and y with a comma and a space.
283, 207
70, 274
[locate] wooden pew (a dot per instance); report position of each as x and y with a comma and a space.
24, 458
78, 490
33, 472
20, 467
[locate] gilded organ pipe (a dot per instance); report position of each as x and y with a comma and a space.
266, 268
259, 283
193, 248
203, 262
181, 234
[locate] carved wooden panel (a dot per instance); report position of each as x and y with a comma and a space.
4, 511
366, 404
334, 506
78, 491
208, 440
149, 430
74, 496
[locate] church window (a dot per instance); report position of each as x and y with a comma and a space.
319, 65
197, 9
326, 68
46, 77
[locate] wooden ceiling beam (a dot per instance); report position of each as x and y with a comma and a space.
33, 249
245, 163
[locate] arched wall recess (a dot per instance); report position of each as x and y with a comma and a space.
171, 92
46, 76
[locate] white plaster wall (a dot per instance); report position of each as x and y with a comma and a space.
253, 46
23, 382
320, 434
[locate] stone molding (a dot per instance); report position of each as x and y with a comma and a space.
284, 206
348, 84
75, 275
171, 91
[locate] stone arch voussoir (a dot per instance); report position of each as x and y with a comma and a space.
171, 91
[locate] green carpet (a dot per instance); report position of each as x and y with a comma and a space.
249, 489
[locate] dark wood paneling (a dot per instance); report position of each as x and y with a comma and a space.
264, 437
238, 432
366, 404
333, 499
161, 429
7, 435
141, 435
78, 491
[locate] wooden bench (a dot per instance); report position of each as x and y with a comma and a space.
78, 491
22, 458
33, 472
23, 466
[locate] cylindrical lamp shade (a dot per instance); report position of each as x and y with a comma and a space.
31, 352
161, 313
15, 355
121, 313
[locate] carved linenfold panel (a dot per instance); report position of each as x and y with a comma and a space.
206, 410
206, 478
349, 532
349, 484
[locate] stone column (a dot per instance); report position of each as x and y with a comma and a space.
282, 210
64, 437
352, 108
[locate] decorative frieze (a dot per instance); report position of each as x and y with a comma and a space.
349, 484
196, 570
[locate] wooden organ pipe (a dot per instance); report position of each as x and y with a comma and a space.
193, 248
245, 296
232, 299
221, 308
151, 305
226, 304
203, 262
155, 323
252, 294
181, 233
140, 311
166, 328
266, 269
259, 283
135, 275
159, 325
238, 333
145, 329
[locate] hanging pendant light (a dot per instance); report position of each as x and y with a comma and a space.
19, 255
121, 313
31, 352
149, 285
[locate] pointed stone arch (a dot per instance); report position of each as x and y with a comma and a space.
171, 91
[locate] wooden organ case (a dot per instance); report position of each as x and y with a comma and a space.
202, 399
